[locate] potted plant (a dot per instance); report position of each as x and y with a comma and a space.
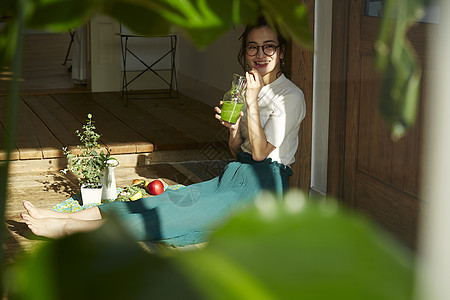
89, 163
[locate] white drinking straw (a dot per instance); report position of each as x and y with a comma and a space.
232, 112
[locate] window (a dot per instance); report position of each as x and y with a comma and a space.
375, 8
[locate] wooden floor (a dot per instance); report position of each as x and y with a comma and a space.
48, 122
43, 68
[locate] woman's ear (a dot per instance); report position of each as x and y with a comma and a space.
282, 50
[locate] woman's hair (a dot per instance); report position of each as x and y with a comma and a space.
260, 23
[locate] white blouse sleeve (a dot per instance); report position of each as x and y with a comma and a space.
287, 113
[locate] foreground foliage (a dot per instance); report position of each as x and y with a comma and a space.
398, 62
293, 250
314, 253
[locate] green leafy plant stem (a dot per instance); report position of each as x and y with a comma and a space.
17, 28
91, 162
399, 66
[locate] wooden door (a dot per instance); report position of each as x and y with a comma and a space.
104, 60
368, 171
301, 71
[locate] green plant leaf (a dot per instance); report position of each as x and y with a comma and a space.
293, 250
226, 15
398, 62
138, 18
60, 15
291, 18
13, 60
104, 264
89, 165
203, 21
300, 251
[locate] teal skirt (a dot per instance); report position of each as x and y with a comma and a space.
188, 215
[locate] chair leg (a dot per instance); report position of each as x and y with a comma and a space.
72, 34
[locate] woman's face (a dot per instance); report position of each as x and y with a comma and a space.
268, 66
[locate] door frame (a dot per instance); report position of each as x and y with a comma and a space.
338, 99
302, 71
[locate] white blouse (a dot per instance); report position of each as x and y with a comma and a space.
282, 108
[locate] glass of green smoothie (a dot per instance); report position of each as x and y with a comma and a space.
233, 100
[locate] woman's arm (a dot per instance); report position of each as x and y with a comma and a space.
261, 148
235, 139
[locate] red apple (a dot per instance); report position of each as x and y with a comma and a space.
155, 187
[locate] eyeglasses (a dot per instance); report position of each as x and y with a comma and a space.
268, 49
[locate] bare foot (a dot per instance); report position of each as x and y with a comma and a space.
46, 227
39, 213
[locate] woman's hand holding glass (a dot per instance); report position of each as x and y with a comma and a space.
235, 138
229, 125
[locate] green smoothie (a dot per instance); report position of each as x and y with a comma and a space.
230, 111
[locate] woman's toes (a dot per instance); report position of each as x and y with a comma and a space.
31, 209
33, 229
27, 218
27, 205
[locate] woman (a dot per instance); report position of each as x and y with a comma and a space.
263, 140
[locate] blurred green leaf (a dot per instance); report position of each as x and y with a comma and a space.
60, 15
104, 264
291, 18
203, 21
141, 20
398, 62
8, 42
11, 55
295, 250
300, 251
272, 251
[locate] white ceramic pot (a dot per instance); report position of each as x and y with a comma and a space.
91, 195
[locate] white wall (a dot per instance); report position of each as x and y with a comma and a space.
206, 74
434, 260
321, 95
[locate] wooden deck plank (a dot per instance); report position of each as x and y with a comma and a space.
14, 151
56, 118
49, 146
175, 115
162, 135
15, 154
59, 121
119, 137
206, 114
199, 109
43, 70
